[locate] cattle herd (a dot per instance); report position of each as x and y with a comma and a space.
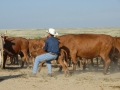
73, 47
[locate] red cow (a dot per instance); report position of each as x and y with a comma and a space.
87, 46
14, 46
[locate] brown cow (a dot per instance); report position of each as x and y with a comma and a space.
87, 46
35, 44
14, 46
35, 48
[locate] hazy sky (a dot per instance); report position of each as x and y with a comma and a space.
59, 13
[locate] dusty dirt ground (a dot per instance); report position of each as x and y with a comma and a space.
15, 78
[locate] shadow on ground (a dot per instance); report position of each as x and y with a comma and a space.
2, 78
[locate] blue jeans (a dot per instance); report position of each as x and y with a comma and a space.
44, 57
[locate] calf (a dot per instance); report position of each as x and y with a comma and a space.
35, 48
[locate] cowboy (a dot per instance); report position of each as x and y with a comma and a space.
52, 50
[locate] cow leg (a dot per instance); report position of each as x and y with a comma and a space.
97, 63
60, 68
66, 71
11, 60
66, 64
33, 60
84, 64
22, 65
69, 62
107, 63
17, 59
22, 58
25, 57
73, 57
92, 63
114, 64
5, 58
14, 60
27, 60
40, 66
79, 62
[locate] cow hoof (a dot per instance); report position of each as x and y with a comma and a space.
59, 70
73, 73
104, 73
66, 75
28, 67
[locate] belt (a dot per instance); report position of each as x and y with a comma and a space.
53, 53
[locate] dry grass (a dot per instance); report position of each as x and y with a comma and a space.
18, 79
38, 33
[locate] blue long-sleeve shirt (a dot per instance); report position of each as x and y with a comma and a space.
51, 45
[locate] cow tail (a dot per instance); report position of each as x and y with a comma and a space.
28, 51
66, 58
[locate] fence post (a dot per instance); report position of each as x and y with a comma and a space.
1, 52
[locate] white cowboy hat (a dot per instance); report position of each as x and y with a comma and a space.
52, 31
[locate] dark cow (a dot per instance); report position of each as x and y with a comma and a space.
14, 46
115, 53
87, 46
117, 46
